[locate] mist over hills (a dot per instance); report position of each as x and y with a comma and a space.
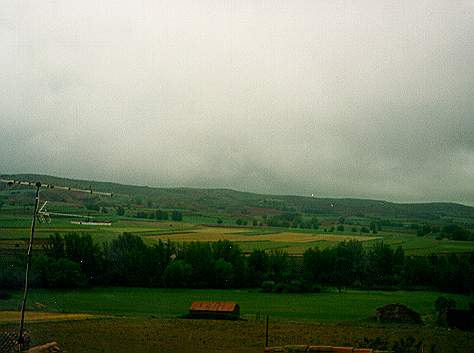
238, 202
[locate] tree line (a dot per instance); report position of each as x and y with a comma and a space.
297, 220
160, 215
74, 260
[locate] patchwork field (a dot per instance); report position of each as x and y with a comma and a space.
210, 234
14, 230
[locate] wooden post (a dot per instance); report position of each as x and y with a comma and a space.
21, 338
266, 333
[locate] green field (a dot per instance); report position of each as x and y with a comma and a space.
13, 227
202, 209
147, 320
118, 319
167, 303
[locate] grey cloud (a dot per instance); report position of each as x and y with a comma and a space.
337, 98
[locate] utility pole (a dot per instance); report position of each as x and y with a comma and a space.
21, 336
38, 212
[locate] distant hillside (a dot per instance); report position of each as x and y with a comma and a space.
237, 202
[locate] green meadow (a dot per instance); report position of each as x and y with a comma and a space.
329, 306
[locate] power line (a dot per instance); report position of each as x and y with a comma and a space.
56, 187
39, 213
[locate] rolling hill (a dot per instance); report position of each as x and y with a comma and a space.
236, 202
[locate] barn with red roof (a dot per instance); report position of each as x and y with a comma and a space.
215, 310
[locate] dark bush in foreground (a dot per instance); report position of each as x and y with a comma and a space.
397, 313
61, 273
5, 295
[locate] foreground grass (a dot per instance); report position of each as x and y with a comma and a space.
169, 303
145, 320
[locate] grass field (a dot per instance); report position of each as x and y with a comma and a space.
15, 229
145, 320
168, 303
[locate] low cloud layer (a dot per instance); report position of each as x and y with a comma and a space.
368, 99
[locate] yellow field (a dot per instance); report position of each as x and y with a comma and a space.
210, 234
14, 316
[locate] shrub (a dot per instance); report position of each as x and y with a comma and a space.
280, 288
397, 313
52, 273
177, 274
5, 295
442, 304
295, 286
267, 286
12, 272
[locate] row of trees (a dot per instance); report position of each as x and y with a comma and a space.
176, 216
74, 260
285, 220
450, 231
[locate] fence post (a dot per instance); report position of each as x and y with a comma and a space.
266, 333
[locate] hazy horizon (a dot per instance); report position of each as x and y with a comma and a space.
366, 100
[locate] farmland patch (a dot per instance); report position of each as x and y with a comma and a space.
35, 316
211, 234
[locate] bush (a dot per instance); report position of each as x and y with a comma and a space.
65, 273
177, 274
407, 345
280, 288
442, 305
295, 286
176, 216
455, 232
5, 295
51, 273
267, 286
398, 313
120, 211
12, 272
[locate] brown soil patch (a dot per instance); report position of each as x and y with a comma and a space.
33, 316
237, 234
208, 336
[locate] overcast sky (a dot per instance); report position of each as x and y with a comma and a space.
371, 99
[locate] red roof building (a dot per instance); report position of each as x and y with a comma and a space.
215, 310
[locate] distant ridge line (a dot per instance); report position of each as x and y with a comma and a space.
194, 198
